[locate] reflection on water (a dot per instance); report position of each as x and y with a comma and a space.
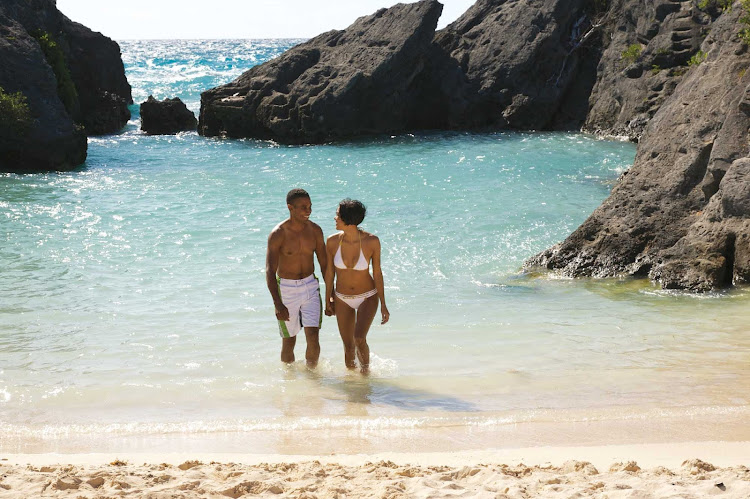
387, 393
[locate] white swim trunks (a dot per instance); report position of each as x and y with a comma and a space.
302, 298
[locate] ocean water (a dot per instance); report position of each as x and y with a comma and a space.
134, 314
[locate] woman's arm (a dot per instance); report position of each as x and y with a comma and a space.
329, 275
377, 275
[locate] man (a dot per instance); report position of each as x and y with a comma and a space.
296, 292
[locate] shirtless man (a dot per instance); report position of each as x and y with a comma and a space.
290, 276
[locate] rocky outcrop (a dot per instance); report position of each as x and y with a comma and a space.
648, 47
166, 117
71, 82
681, 214
526, 63
99, 75
382, 74
521, 65
663, 72
42, 136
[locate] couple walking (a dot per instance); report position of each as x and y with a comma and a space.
344, 258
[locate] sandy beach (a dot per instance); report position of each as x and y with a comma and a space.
685, 470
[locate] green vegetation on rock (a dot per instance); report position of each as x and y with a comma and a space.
631, 54
744, 33
655, 69
718, 4
66, 89
697, 58
15, 116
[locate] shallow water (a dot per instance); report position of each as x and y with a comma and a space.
133, 302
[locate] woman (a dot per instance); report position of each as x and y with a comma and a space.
355, 300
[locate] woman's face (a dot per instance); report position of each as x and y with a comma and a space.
339, 223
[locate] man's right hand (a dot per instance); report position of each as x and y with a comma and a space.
330, 309
282, 313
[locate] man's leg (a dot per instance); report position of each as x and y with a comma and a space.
287, 349
312, 354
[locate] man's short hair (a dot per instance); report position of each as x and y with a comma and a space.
295, 194
351, 211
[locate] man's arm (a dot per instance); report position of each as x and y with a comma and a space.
320, 250
272, 264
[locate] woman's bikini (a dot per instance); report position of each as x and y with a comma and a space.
354, 301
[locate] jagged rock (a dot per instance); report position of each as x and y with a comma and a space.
97, 96
681, 214
627, 94
525, 62
166, 117
49, 140
382, 74
99, 74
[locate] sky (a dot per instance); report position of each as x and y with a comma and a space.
166, 19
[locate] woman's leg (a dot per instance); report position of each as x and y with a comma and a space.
345, 316
365, 315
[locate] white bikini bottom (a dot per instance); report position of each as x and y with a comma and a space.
354, 301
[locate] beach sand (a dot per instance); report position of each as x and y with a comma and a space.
684, 470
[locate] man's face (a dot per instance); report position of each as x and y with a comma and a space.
300, 209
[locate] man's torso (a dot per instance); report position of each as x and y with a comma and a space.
296, 252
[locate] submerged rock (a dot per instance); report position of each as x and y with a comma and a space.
382, 74
681, 214
166, 117
62, 82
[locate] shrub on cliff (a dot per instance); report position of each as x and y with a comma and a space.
15, 117
66, 89
632, 53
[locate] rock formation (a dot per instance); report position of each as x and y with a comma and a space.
649, 47
528, 64
62, 81
680, 215
166, 117
524, 61
667, 73
382, 74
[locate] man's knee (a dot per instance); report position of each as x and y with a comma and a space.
287, 344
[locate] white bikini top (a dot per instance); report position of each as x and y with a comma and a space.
361, 264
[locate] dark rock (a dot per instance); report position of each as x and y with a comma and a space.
627, 93
521, 60
50, 140
99, 75
382, 74
681, 215
166, 117
98, 95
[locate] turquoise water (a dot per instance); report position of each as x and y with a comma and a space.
134, 312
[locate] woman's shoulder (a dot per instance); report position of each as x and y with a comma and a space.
334, 238
369, 238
